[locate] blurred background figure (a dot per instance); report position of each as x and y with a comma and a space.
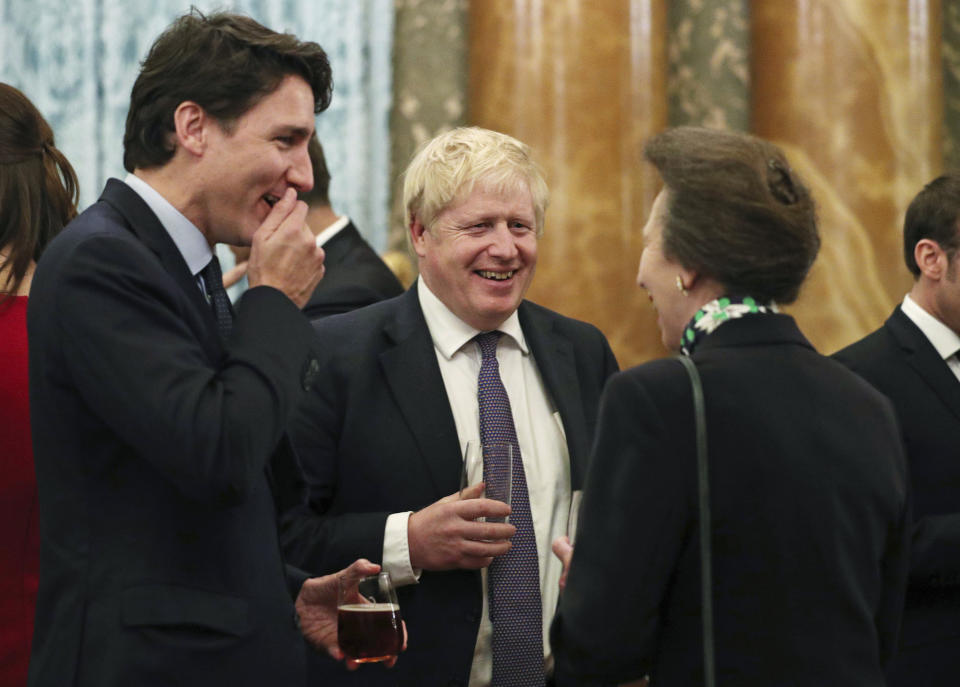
38, 196
355, 275
807, 474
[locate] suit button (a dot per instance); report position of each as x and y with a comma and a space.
311, 371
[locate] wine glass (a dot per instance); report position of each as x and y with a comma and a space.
498, 481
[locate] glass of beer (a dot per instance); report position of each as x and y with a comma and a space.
369, 628
498, 457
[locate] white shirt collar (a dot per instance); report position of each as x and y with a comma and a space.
944, 339
332, 230
191, 243
450, 333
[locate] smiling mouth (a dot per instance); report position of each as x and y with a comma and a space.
496, 276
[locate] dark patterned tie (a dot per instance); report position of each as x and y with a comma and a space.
513, 579
213, 281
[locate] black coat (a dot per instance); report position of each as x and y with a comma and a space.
900, 361
809, 509
355, 277
160, 561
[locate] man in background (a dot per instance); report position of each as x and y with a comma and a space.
913, 359
355, 276
460, 357
159, 414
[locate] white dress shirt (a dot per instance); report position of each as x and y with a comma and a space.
944, 339
543, 447
332, 230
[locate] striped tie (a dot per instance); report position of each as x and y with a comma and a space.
513, 579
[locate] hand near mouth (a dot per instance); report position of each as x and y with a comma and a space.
284, 253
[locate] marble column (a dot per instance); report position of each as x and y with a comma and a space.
584, 84
709, 63
852, 90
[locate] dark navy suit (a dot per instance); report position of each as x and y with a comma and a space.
900, 361
156, 449
380, 438
355, 277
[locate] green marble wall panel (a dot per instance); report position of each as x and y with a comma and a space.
709, 63
429, 84
951, 84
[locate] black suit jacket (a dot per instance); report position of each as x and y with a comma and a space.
809, 521
160, 560
900, 361
380, 438
355, 277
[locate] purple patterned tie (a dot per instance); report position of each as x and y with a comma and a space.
213, 281
513, 579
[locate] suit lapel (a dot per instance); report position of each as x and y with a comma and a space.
411, 369
556, 362
143, 223
923, 357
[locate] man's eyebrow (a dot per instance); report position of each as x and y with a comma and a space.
299, 131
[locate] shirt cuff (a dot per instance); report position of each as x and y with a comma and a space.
396, 551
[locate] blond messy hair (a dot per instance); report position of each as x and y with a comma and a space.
446, 169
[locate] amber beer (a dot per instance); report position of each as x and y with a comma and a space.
369, 632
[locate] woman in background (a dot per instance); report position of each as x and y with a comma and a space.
807, 475
38, 196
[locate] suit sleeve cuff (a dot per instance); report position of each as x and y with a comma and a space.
396, 551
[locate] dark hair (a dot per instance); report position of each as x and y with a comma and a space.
320, 193
38, 187
736, 211
933, 215
223, 62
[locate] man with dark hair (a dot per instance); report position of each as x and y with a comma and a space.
159, 414
913, 359
355, 275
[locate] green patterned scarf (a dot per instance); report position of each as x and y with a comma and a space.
715, 313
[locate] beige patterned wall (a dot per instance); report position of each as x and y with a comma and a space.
855, 91
852, 89
584, 83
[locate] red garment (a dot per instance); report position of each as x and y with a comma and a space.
19, 554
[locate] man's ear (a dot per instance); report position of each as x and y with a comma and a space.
418, 236
931, 259
191, 126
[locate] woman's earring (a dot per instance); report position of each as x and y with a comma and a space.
680, 287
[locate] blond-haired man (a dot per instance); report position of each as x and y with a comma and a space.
382, 444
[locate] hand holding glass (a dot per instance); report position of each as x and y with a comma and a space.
369, 628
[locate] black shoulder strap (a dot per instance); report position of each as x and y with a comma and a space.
704, 504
